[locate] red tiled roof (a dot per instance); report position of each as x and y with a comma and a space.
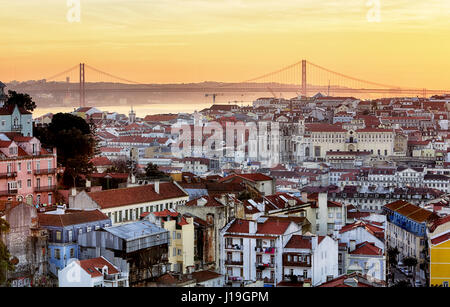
324, 128
136, 195
374, 230
251, 177
442, 238
367, 248
165, 213
273, 226
240, 226
71, 217
92, 266
298, 241
100, 161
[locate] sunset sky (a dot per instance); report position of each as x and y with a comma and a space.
164, 41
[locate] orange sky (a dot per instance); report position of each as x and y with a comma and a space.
165, 41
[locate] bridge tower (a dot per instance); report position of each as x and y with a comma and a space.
82, 85
304, 91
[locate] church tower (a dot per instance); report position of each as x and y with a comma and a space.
131, 116
3, 96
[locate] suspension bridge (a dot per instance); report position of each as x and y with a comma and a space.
303, 77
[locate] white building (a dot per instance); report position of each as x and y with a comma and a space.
313, 258
95, 272
253, 250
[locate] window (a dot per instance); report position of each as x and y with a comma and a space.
57, 254
72, 253
89, 228
179, 252
58, 236
69, 235
29, 183
178, 235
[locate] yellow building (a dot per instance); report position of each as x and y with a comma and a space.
440, 260
181, 245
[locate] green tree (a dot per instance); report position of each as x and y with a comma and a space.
392, 256
152, 172
5, 263
74, 141
411, 262
21, 100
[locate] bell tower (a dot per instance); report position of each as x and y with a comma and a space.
3, 96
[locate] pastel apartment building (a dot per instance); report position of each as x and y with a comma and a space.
126, 205
63, 229
27, 170
182, 238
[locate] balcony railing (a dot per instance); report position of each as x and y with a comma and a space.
45, 171
8, 192
234, 262
113, 277
16, 128
262, 266
45, 189
265, 250
8, 175
234, 247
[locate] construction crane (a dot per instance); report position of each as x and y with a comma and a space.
214, 96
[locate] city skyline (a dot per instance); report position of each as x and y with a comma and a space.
193, 41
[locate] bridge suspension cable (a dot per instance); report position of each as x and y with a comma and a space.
353, 78
113, 76
62, 73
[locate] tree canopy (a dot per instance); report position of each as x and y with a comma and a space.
21, 100
152, 171
5, 263
74, 141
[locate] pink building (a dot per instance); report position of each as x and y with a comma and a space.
27, 170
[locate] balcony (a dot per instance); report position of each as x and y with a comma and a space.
8, 192
265, 250
45, 171
16, 128
235, 247
49, 188
234, 262
263, 266
8, 175
114, 277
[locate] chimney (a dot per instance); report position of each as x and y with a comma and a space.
156, 186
